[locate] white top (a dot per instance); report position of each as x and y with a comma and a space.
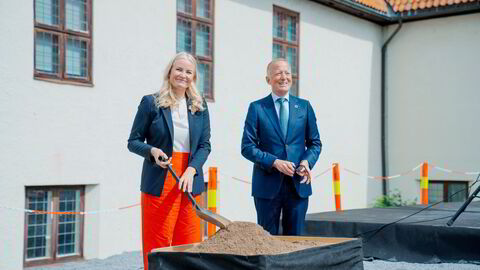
181, 140
277, 105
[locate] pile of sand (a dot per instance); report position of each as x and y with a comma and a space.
246, 238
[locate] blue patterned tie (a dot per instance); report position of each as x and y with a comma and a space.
283, 115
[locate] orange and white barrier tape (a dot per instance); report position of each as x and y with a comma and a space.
69, 213
452, 171
323, 172
249, 182
211, 195
384, 177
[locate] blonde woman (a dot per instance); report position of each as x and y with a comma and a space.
173, 125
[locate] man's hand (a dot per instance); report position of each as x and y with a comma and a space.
285, 167
304, 170
186, 181
161, 159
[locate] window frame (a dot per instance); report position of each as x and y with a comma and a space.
195, 20
54, 226
63, 33
446, 184
288, 44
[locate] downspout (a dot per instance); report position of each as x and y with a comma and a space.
383, 103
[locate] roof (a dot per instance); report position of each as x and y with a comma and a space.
407, 5
386, 12
379, 5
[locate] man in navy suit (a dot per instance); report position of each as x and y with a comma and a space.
281, 138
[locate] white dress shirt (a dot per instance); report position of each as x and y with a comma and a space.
181, 140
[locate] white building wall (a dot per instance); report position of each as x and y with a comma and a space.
433, 100
57, 134
339, 74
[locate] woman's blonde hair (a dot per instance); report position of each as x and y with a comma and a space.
165, 97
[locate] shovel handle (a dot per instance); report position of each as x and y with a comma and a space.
177, 179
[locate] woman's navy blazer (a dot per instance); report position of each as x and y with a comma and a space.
155, 126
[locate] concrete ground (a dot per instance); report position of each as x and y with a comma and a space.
133, 261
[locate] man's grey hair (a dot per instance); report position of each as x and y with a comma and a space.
275, 61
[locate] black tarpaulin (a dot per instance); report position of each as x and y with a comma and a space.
422, 238
344, 255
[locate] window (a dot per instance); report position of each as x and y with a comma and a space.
286, 41
53, 237
444, 190
195, 36
63, 40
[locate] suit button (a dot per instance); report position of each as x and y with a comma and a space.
286, 145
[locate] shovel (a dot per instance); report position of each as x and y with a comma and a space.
204, 214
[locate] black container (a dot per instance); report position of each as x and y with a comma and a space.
334, 253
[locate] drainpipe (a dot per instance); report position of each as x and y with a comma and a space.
383, 104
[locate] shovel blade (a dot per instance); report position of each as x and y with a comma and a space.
213, 218
202, 213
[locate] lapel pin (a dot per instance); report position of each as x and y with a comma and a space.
296, 106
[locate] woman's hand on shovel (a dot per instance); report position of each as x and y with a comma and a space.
186, 181
161, 159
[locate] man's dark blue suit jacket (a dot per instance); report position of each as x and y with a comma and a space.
263, 142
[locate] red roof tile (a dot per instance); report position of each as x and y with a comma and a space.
379, 5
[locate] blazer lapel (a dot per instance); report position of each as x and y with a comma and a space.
269, 108
168, 118
292, 115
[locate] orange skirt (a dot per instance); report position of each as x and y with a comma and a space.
170, 219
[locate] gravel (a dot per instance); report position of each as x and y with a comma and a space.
384, 265
124, 261
133, 261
